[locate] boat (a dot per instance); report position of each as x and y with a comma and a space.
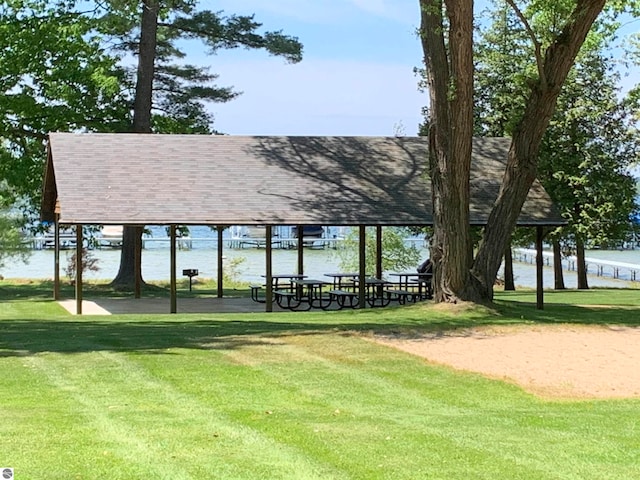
110, 236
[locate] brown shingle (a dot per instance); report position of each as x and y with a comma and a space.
236, 180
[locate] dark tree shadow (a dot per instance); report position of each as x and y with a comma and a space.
158, 333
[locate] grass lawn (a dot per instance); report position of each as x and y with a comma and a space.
291, 396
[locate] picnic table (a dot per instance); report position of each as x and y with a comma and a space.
409, 281
374, 291
300, 293
289, 277
339, 279
304, 295
277, 284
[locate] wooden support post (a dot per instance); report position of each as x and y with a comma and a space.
220, 263
56, 258
539, 269
269, 271
362, 271
173, 288
137, 257
300, 229
378, 251
79, 262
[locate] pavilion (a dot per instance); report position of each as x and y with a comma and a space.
220, 180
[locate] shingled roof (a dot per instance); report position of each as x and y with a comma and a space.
241, 180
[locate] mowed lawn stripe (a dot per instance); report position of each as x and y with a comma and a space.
145, 420
391, 405
398, 405
369, 408
288, 396
37, 417
486, 423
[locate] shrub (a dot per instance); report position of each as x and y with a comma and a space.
89, 264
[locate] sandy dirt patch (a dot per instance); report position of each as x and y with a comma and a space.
551, 361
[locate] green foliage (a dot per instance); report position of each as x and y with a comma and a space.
218, 31
591, 140
89, 264
397, 255
12, 243
231, 272
181, 91
632, 98
66, 66
54, 76
586, 154
503, 71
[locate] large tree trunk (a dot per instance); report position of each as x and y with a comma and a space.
581, 265
450, 79
509, 282
449, 69
558, 274
131, 236
523, 155
125, 279
146, 66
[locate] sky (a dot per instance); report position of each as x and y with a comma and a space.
356, 77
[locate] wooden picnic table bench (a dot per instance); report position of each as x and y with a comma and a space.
402, 296
344, 298
288, 300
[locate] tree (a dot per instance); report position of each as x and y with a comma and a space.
632, 99
447, 40
590, 141
54, 76
11, 240
397, 255
161, 25
584, 160
65, 66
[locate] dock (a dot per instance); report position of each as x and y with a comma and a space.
235, 238
618, 270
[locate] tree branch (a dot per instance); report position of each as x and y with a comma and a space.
536, 44
22, 132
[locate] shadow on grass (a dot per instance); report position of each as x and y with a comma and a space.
43, 290
28, 337
618, 297
28, 333
625, 315
591, 307
157, 333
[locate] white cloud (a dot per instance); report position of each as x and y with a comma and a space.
319, 97
403, 11
318, 12
377, 7
322, 11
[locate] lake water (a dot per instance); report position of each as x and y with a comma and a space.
203, 256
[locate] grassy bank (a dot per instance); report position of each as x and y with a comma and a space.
299, 396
